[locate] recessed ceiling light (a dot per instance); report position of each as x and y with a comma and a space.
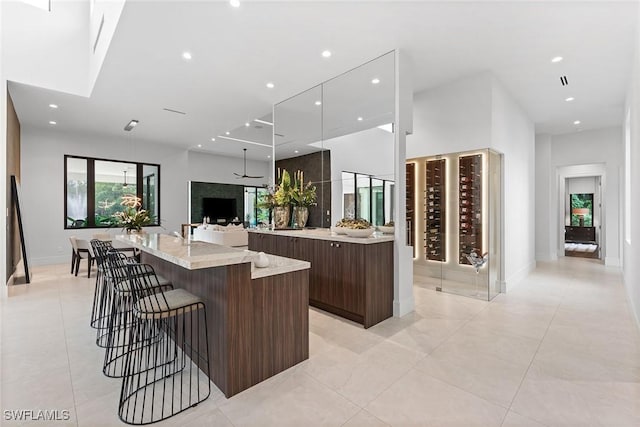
199, 145
51, 122
296, 151
268, 157
234, 3
326, 53
227, 133
54, 106
213, 139
318, 102
577, 122
360, 119
247, 124
131, 125
186, 55
270, 85
569, 99
375, 81
556, 59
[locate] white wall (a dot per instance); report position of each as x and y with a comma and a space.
47, 49
108, 12
477, 112
545, 249
631, 244
451, 118
513, 134
43, 182
595, 152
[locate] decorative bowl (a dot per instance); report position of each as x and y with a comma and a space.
339, 230
355, 232
386, 229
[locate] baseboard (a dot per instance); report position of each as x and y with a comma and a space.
406, 306
11, 280
545, 257
612, 262
513, 280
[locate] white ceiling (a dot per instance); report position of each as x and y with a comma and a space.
237, 51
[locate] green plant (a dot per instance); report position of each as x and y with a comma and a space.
301, 194
282, 195
132, 217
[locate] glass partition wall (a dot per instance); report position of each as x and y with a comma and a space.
340, 135
456, 226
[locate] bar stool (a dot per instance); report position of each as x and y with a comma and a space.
162, 377
101, 295
115, 339
104, 294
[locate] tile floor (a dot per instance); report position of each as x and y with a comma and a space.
560, 349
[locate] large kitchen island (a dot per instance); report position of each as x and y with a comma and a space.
257, 318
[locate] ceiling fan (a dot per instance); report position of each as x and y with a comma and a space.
244, 175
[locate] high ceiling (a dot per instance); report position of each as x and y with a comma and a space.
235, 52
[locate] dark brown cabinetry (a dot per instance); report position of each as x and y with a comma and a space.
470, 206
352, 280
435, 210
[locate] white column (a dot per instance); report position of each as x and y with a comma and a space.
403, 301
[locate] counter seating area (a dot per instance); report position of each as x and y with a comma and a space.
192, 312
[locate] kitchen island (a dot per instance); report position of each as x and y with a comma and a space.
257, 318
350, 276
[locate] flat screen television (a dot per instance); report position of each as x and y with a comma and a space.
218, 208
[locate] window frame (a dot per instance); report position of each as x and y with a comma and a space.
91, 188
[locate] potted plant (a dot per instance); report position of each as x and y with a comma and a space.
302, 197
132, 218
281, 200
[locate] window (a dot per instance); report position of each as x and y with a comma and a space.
366, 197
94, 189
582, 210
253, 213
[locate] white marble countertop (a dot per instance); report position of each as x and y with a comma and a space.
327, 234
194, 255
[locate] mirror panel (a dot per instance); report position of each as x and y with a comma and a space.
340, 134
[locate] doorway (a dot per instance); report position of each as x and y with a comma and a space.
583, 216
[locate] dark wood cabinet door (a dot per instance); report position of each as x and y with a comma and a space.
350, 286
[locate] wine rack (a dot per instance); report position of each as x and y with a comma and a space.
435, 214
411, 214
470, 206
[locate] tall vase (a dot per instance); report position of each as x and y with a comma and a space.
281, 216
300, 216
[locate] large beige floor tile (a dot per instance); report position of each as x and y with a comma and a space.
289, 399
364, 419
565, 403
421, 400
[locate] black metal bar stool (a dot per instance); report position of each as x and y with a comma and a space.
165, 373
115, 340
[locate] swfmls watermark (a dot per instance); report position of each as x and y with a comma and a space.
36, 415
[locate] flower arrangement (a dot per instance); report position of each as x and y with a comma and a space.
132, 217
303, 195
282, 196
278, 195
